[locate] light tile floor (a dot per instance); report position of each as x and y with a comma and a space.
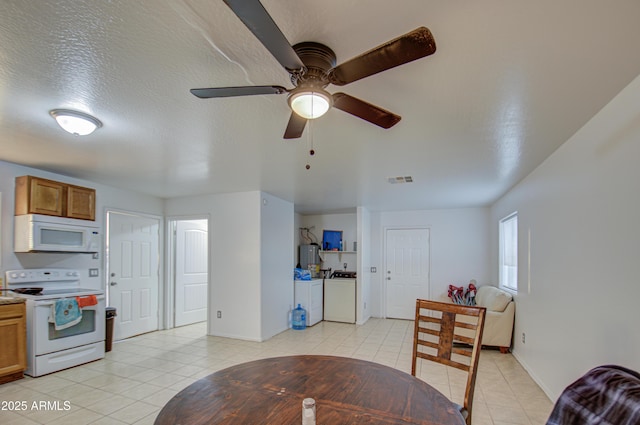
140, 375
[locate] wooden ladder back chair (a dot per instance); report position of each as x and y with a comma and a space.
437, 338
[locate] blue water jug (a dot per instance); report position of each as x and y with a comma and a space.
299, 318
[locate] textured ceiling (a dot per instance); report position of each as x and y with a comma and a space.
509, 83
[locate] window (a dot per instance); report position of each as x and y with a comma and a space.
508, 246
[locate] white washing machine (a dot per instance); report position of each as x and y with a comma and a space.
309, 294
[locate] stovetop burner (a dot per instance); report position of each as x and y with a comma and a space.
339, 274
41, 284
48, 294
68, 291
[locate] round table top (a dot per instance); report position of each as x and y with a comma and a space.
346, 391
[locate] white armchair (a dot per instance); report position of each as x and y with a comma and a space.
498, 322
498, 326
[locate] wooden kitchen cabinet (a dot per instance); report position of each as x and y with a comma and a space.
39, 196
81, 202
13, 340
35, 195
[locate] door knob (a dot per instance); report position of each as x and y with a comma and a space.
113, 283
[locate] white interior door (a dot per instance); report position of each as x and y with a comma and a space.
133, 273
407, 271
192, 273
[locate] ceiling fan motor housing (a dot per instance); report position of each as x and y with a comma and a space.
318, 60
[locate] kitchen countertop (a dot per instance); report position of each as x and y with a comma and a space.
11, 300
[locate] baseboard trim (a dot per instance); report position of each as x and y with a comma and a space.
535, 378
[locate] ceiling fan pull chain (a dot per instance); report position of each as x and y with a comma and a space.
310, 142
310, 136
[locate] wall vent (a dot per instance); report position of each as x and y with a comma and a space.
400, 179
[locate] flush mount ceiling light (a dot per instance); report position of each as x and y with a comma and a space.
310, 102
75, 122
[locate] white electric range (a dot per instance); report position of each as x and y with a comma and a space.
50, 350
340, 297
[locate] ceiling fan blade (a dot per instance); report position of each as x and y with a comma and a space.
295, 127
409, 47
237, 91
260, 23
368, 112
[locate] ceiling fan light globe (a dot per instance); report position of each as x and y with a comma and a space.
74, 122
310, 104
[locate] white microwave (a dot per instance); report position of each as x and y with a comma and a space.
43, 233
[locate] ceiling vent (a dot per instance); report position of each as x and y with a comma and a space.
400, 179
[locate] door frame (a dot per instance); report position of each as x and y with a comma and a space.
170, 255
383, 281
161, 238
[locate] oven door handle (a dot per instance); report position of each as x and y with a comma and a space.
51, 302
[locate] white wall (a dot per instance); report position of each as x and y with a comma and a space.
296, 237
237, 278
234, 274
277, 264
578, 296
106, 197
363, 293
459, 248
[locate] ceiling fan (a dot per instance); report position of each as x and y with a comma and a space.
312, 67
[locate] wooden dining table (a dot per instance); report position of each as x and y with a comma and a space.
346, 391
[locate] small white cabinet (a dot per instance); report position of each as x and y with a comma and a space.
309, 294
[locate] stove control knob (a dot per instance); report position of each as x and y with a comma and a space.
14, 275
23, 274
